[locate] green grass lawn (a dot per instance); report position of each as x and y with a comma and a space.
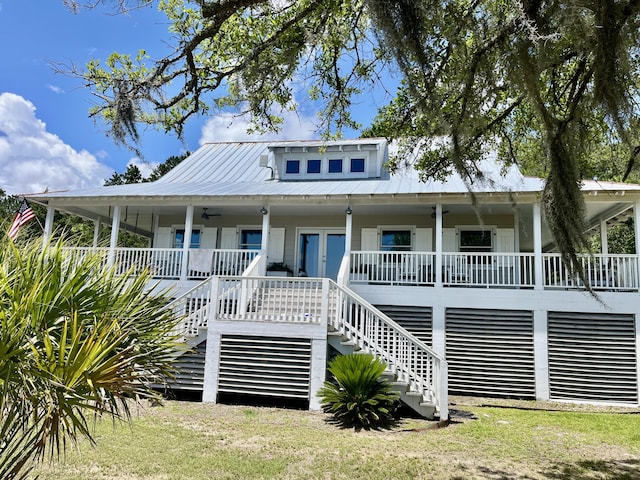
183, 440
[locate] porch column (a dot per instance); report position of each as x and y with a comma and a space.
212, 353
604, 249
438, 266
266, 221
186, 244
537, 247
115, 230
541, 354
348, 230
48, 225
96, 231
264, 243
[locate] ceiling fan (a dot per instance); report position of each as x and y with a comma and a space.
207, 215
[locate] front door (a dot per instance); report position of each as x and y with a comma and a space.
320, 252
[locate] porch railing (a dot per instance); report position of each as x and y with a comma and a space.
168, 263
488, 269
322, 301
458, 269
603, 272
410, 359
416, 268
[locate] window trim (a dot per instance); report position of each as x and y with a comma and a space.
242, 228
399, 228
477, 228
176, 227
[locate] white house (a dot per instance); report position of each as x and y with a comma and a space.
455, 299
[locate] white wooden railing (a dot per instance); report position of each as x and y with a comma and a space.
606, 272
319, 301
167, 263
194, 308
410, 359
488, 269
270, 299
415, 268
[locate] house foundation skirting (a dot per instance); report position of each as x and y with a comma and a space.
546, 345
265, 358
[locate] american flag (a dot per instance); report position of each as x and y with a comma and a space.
23, 215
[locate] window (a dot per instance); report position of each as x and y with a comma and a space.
178, 238
335, 165
293, 166
313, 166
357, 165
250, 239
476, 240
395, 240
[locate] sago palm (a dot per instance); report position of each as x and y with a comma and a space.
359, 396
76, 341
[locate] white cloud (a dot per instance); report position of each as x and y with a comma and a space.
32, 159
55, 89
228, 128
146, 168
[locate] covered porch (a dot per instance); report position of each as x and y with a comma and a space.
410, 242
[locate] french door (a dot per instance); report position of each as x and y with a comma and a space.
320, 252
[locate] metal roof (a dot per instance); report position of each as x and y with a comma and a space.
233, 169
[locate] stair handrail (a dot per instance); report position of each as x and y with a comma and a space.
193, 306
407, 356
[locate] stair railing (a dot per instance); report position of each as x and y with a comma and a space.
410, 359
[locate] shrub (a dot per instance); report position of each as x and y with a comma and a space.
359, 397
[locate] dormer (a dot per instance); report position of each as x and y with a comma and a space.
331, 160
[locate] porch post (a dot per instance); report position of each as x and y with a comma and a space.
438, 266
541, 354
186, 244
604, 249
96, 231
212, 353
48, 225
115, 230
264, 244
266, 221
537, 247
348, 230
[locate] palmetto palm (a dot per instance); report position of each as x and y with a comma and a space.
359, 396
76, 341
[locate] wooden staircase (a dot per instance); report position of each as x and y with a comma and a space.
412, 399
353, 325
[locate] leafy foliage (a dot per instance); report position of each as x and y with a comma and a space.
544, 82
359, 397
76, 342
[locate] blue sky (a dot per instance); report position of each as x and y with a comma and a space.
47, 140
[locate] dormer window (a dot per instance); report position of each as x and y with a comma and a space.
357, 165
335, 165
293, 167
314, 166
